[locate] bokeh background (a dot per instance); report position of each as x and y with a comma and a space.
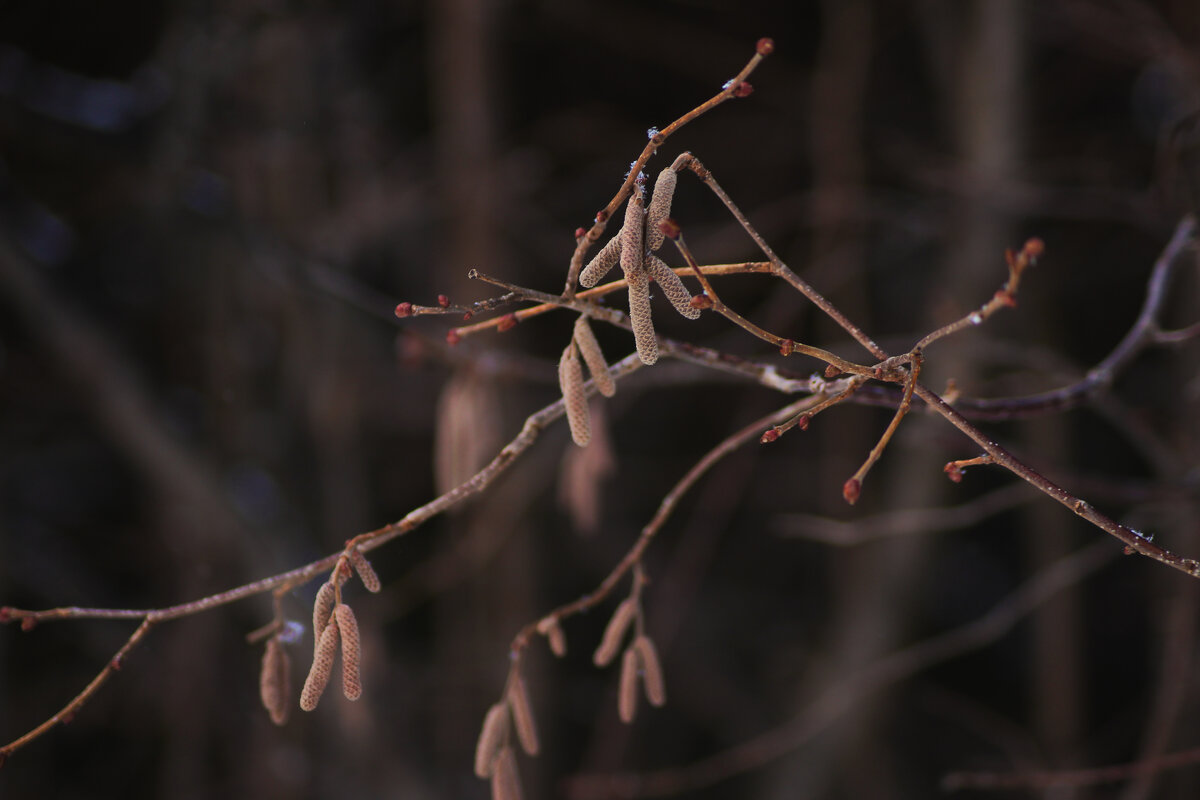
209, 209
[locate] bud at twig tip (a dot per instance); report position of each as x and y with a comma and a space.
765, 46
743, 89
769, 435
443, 301
404, 310
851, 489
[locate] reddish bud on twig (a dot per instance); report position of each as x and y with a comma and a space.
404, 310
786, 347
953, 472
452, 337
507, 322
1005, 297
743, 89
701, 301
28, 624
116, 663
670, 229
851, 489
6, 614
769, 435
443, 301
765, 46
832, 372
467, 316
802, 423
1034, 247
580, 233
602, 215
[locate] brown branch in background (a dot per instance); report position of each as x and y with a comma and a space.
844, 694
1074, 778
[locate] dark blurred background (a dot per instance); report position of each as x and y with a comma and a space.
209, 209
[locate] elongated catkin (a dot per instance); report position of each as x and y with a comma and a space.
639, 316
522, 714
491, 737
506, 783
570, 381
322, 667
614, 632
672, 286
366, 573
351, 651
660, 207
322, 609
589, 348
627, 694
652, 675
633, 234
274, 683
601, 263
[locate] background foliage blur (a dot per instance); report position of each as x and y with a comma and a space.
209, 209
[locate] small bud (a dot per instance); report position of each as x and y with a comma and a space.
769, 435
6, 614
28, 624
443, 301
452, 337
670, 229
743, 89
580, 232
467, 316
1005, 297
1128, 550
786, 347
507, 322
765, 46
404, 310
851, 489
1034, 247
701, 301
832, 372
953, 472
802, 423
602, 215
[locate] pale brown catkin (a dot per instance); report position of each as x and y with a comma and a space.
506, 783
322, 667
522, 714
553, 632
366, 573
351, 651
610, 643
589, 348
274, 683
570, 380
628, 692
652, 675
491, 737
660, 207
322, 609
633, 234
601, 263
639, 316
672, 286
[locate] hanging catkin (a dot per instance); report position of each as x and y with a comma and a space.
522, 714
322, 609
589, 348
366, 573
652, 675
610, 643
628, 691
601, 263
274, 682
351, 651
660, 207
570, 380
322, 667
491, 738
672, 286
639, 316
